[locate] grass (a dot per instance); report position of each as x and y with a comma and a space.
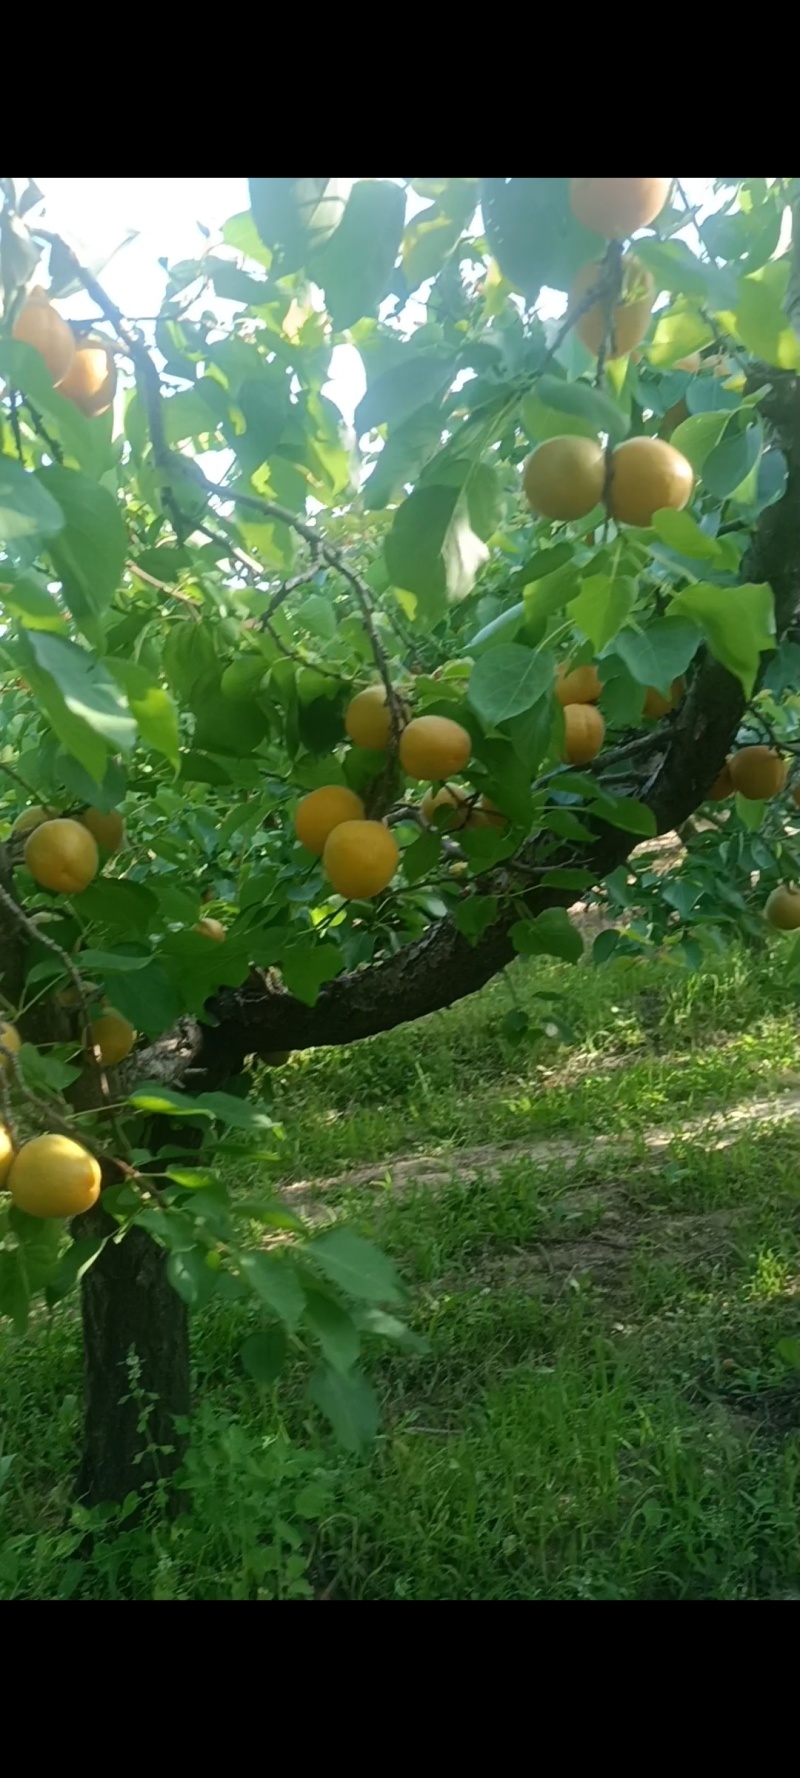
602, 1411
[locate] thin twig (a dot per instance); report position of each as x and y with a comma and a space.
15, 425
170, 592
53, 445
642, 744
576, 314
36, 934
12, 773
289, 586
47, 1111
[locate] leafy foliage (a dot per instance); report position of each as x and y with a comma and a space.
192, 588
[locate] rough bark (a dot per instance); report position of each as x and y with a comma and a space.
136, 1369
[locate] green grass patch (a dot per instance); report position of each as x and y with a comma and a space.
602, 1410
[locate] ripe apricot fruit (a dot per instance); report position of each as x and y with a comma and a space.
563, 478
758, 773
62, 855
108, 830
31, 818
6, 1154
54, 1176
91, 381
39, 324
657, 705
367, 719
434, 747
722, 786
210, 928
455, 807
323, 810
113, 1035
630, 317
648, 474
783, 908
581, 686
9, 1040
617, 207
584, 733
360, 859
487, 814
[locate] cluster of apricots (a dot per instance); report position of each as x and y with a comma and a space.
82, 366
360, 856
566, 478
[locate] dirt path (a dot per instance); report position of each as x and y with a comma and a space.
719, 1129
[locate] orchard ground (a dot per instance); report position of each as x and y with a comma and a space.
600, 1239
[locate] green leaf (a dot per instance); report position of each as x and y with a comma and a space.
422, 856
677, 269
189, 1275
76, 1260
541, 423
334, 1328
508, 681
602, 607
628, 813
548, 595
188, 655
294, 215
88, 553
682, 533
88, 692
550, 934
45, 1073
415, 381
789, 1353
582, 400
738, 623
28, 512
152, 706
264, 1355
228, 725
355, 1266
275, 1283
349, 1403
679, 332
40, 1241
355, 266
475, 915
760, 319
733, 459
661, 653
502, 629
305, 968
427, 244
224, 1108
124, 906
533, 234
145, 996
28, 599
698, 436
405, 453
432, 550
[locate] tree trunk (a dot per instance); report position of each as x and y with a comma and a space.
136, 1370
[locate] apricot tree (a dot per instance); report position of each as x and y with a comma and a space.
307, 730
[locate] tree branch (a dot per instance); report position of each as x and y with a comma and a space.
442, 967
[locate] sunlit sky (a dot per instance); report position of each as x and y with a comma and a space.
96, 214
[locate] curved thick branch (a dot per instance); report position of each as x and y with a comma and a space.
442, 967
